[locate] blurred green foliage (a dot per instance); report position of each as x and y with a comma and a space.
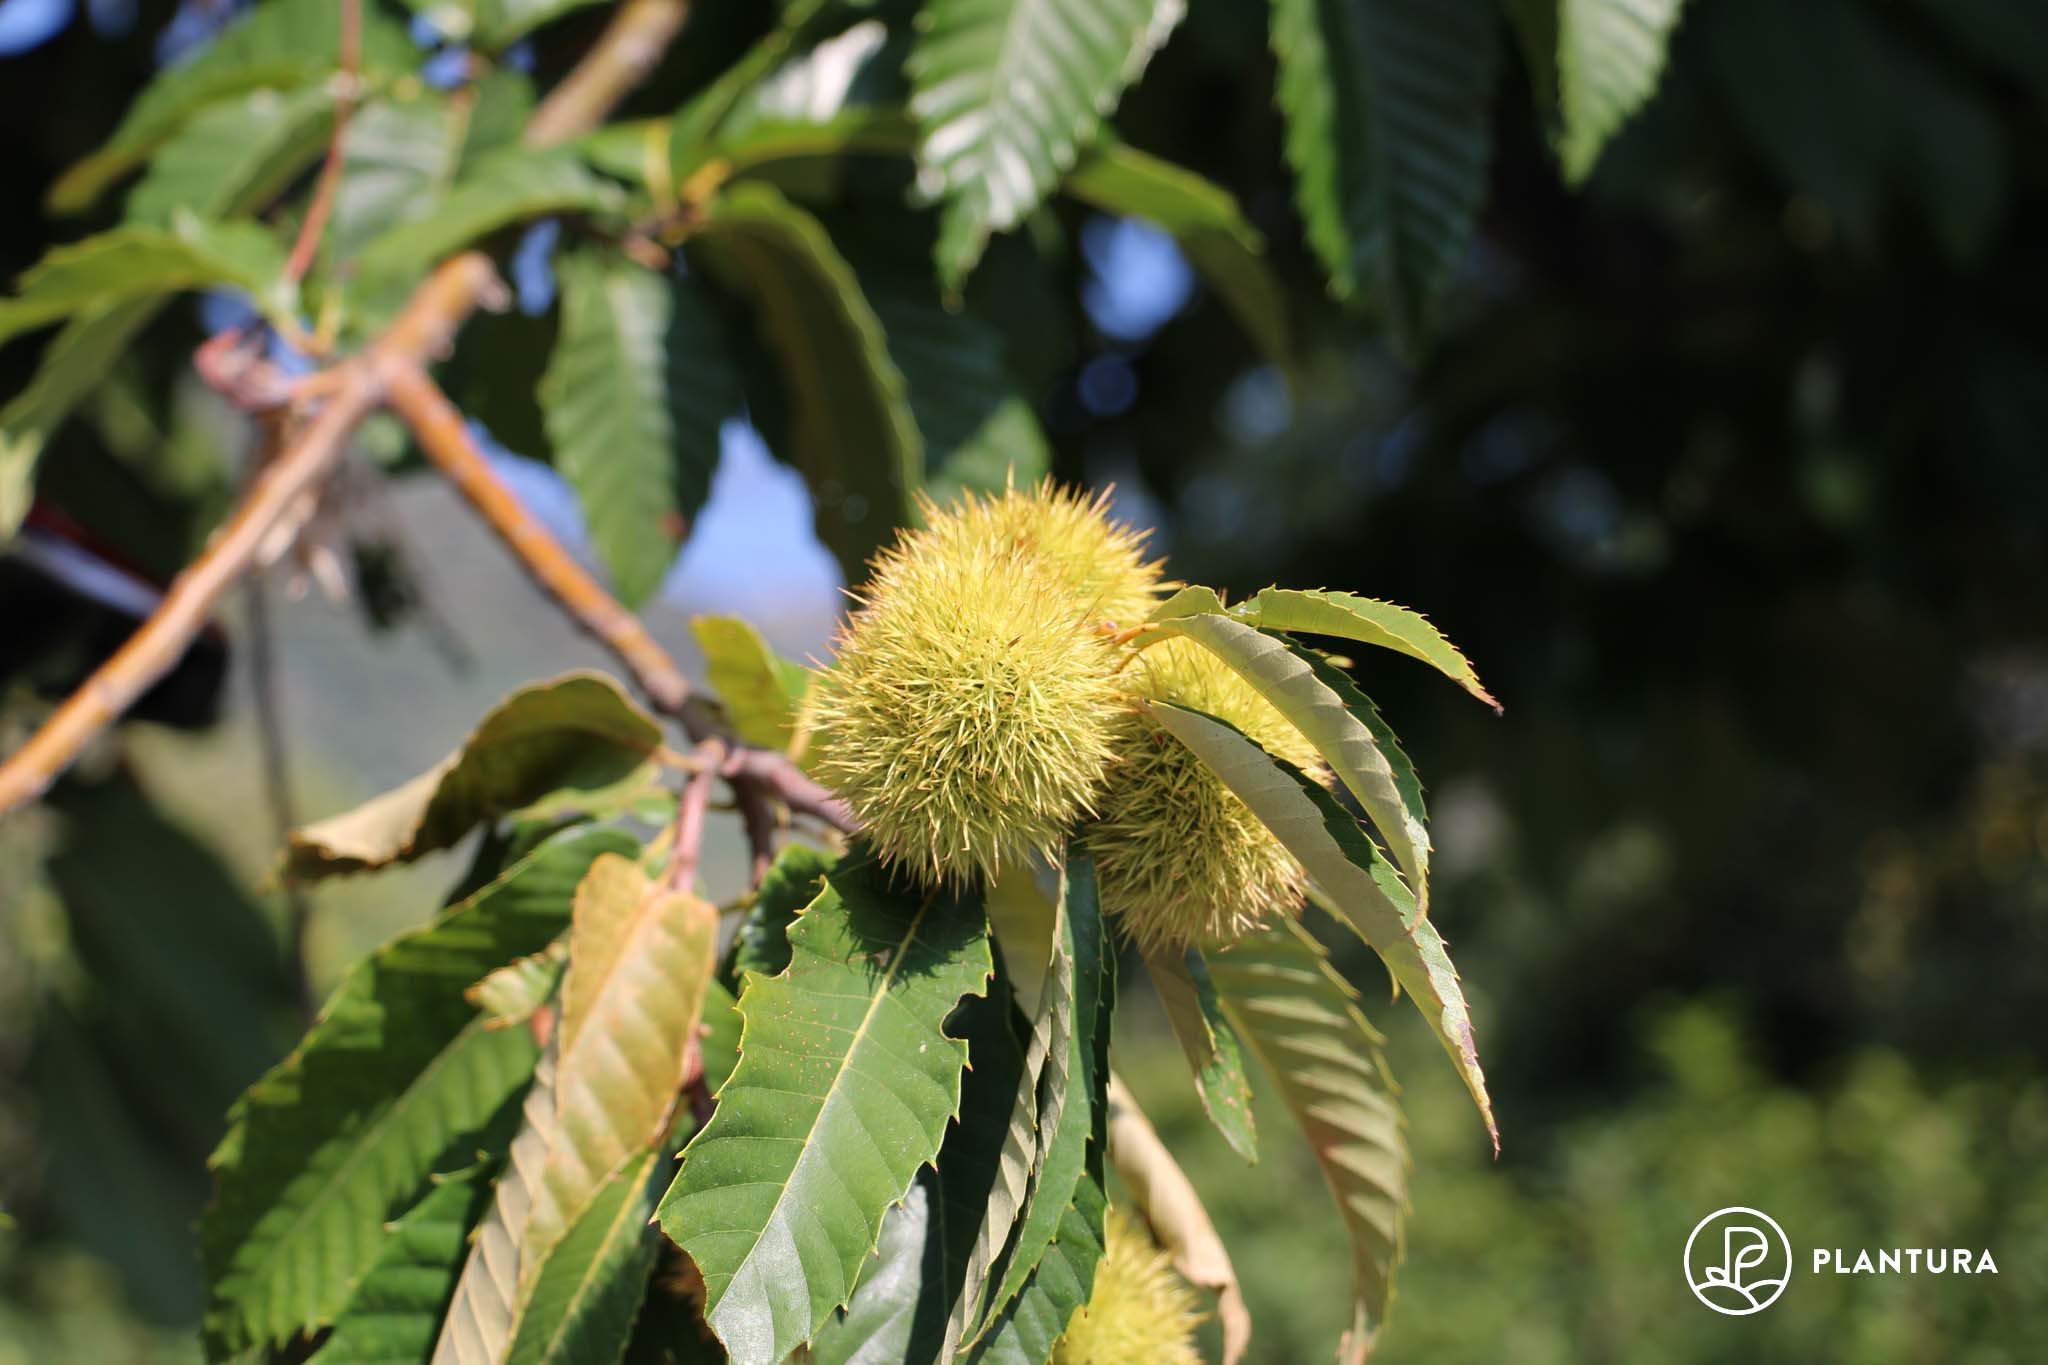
1570, 1255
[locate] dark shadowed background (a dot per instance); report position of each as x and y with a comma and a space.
1731, 474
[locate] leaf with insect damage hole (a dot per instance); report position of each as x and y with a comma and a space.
846, 1081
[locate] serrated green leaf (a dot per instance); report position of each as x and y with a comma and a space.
1389, 132
899, 1310
1206, 1038
1032, 1322
889, 1317
851, 430
845, 1084
1007, 92
1073, 1014
395, 1079
640, 957
137, 262
721, 1041
691, 131
393, 1318
234, 155
1362, 887
1610, 56
794, 880
1364, 619
1192, 600
587, 1294
1303, 1022
759, 689
606, 402
76, 359
1204, 219
279, 45
1298, 686
1015, 1153
508, 186
572, 741
484, 1311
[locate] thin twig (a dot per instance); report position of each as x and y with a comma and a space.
687, 849
329, 185
155, 648
787, 783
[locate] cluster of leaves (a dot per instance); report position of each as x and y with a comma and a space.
898, 1101
895, 1149
791, 184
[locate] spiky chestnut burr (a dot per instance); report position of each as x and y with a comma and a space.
1138, 1313
968, 717
1182, 861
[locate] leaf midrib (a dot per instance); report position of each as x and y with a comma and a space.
880, 993
325, 1193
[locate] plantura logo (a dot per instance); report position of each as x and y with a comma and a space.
1738, 1261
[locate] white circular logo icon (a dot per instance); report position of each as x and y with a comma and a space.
1738, 1261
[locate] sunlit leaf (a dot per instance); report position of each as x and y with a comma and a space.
1610, 55
639, 955
280, 45
586, 1294
510, 186
234, 155
1007, 92
845, 1084
1351, 617
606, 401
1362, 887
572, 741
396, 1079
1031, 1323
759, 689
899, 1312
1298, 686
1070, 1031
394, 1316
137, 262
794, 880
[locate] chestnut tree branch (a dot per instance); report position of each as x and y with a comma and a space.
350, 391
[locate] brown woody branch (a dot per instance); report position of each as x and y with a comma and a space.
348, 392
442, 433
